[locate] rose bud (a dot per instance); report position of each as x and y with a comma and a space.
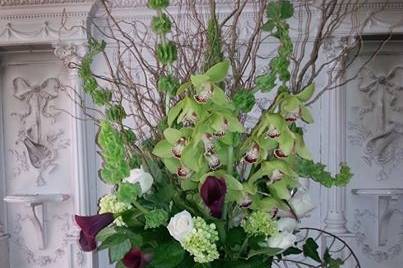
213, 193
178, 148
134, 259
183, 171
252, 155
205, 94
279, 154
222, 130
273, 132
213, 160
90, 227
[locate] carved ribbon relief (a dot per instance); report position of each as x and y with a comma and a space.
379, 128
40, 142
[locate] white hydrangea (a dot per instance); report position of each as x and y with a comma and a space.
110, 204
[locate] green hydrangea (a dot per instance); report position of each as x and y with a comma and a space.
155, 218
201, 242
259, 223
110, 204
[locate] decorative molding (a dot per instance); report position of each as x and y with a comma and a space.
378, 130
362, 222
39, 148
40, 2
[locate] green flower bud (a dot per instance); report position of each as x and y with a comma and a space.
161, 24
168, 84
244, 101
116, 113
167, 53
158, 4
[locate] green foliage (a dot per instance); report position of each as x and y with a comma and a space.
166, 52
168, 84
282, 9
168, 255
331, 262
158, 4
155, 218
310, 249
117, 252
161, 24
317, 172
244, 101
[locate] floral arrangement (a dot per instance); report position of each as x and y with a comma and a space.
207, 192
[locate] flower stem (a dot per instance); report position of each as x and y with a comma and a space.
140, 207
230, 160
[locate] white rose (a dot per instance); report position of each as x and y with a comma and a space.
180, 225
287, 225
138, 175
282, 240
301, 203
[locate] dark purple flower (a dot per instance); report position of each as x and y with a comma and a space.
213, 193
134, 259
90, 226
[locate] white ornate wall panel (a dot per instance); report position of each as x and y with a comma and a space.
374, 134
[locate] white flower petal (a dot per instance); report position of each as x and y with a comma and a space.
180, 225
282, 240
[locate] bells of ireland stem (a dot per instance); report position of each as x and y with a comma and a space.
213, 191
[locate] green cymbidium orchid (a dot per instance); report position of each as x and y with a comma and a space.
292, 107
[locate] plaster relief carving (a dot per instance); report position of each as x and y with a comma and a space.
40, 258
363, 219
379, 128
40, 146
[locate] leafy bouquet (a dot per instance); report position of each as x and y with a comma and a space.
205, 191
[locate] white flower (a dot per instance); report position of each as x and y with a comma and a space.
301, 203
287, 224
282, 240
180, 225
138, 175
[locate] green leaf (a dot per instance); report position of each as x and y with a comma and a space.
175, 111
306, 93
105, 233
235, 188
218, 72
266, 252
269, 26
128, 192
168, 255
163, 149
113, 240
117, 252
310, 249
331, 262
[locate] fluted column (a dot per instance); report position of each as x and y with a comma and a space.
334, 140
71, 55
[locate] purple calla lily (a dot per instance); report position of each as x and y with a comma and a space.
134, 259
90, 227
213, 193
